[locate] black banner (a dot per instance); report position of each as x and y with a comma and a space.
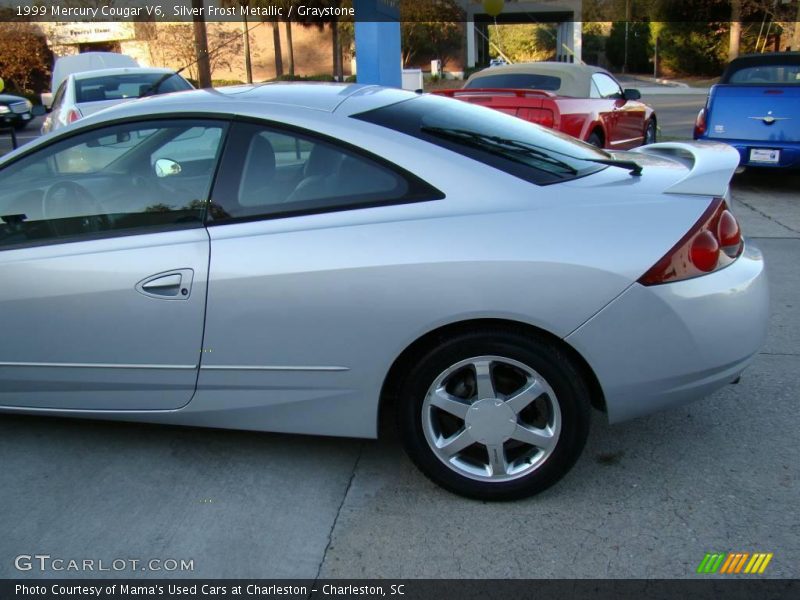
734, 588
325, 11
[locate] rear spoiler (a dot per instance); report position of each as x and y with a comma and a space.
494, 92
711, 165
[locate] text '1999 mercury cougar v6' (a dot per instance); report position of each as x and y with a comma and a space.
319, 259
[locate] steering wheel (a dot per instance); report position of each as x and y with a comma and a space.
72, 209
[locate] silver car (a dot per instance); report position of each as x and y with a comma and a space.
319, 259
82, 94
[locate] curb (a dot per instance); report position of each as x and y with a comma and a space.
678, 91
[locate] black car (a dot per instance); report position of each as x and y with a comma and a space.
14, 111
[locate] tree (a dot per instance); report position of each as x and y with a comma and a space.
174, 42
242, 5
525, 42
736, 29
25, 58
276, 43
796, 33
640, 48
430, 29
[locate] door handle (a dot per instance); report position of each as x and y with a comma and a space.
162, 284
171, 285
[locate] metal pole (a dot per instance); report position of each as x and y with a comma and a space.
655, 61
627, 23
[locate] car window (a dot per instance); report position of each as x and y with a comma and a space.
767, 75
522, 81
508, 143
593, 91
272, 172
126, 86
196, 143
607, 87
59, 97
120, 179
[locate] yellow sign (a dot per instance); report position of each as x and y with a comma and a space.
2, 84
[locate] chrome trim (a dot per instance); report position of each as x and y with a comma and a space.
769, 119
269, 368
94, 365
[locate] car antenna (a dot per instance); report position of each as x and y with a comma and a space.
156, 84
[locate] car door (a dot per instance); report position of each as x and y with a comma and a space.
624, 119
284, 279
104, 264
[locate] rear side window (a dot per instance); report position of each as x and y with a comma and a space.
270, 172
518, 81
520, 148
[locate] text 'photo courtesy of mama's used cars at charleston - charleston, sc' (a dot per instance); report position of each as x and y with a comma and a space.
319, 259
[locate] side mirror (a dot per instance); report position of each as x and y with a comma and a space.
632, 94
165, 167
38, 110
47, 100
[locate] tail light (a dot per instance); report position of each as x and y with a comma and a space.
540, 116
73, 115
712, 243
700, 124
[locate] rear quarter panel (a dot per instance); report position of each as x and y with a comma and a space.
353, 289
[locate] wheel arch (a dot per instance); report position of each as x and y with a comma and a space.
394, 377
597, 127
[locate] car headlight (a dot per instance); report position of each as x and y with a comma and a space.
4, 109
29, 104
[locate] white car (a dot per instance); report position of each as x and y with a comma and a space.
82, 94
79, 63
313, 259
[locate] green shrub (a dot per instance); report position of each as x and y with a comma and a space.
692, 48
224, 82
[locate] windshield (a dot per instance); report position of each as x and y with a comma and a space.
780, 74
508, 143
518, 81
126, 86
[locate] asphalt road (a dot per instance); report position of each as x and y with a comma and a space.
676, 113
647, 499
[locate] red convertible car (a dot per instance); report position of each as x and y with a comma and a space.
583, 101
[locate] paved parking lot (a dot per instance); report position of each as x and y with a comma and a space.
648, 498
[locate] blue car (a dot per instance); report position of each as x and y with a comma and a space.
756, 109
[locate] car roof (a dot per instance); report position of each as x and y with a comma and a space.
257, 100
575, 78
119, 71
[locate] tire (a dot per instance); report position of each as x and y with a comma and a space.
494, 441
22, 125
650, 133
595, 139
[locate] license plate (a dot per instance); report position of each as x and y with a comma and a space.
25, 117
765, 155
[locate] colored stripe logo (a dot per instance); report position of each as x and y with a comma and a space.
733, 563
